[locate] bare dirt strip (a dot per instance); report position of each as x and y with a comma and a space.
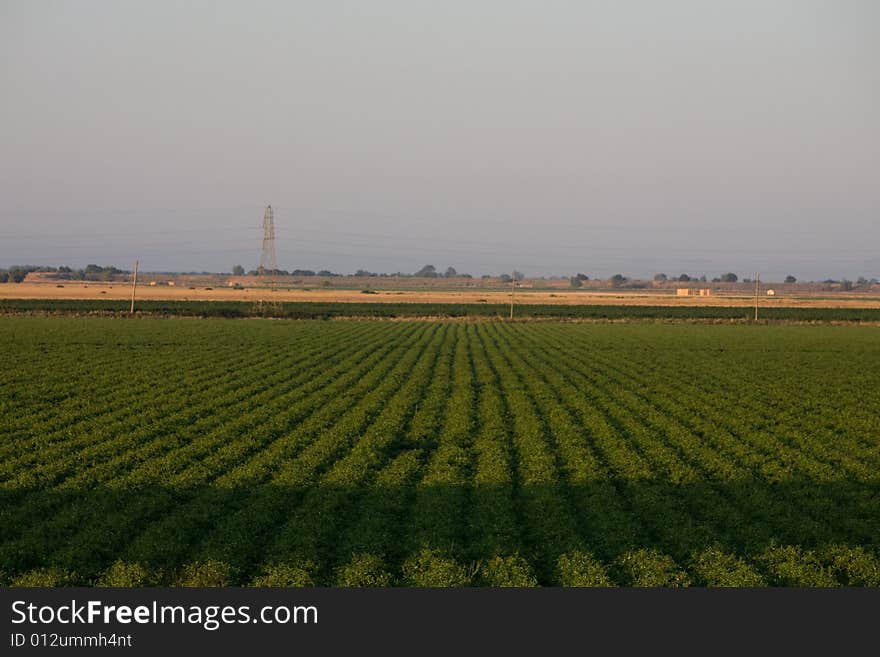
119, 291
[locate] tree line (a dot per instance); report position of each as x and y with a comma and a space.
17, 273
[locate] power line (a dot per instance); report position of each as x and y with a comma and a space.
392, 240
451, 249
621, 226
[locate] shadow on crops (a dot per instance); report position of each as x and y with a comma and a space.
609, 532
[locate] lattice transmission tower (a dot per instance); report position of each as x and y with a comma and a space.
268, 262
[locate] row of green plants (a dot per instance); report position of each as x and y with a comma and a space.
330, 310
359, 453
180, 455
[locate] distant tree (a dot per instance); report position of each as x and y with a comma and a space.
505, 278
790, 279
17, 274
364, 272
716, 280
703, 278
238, 270
618, 279
485, 276
4, 277
582, 277
660, 278
576, 282
428, 271
326, 272
845, 285
450, 272
729, 277
518, 275
684, 278
861, 281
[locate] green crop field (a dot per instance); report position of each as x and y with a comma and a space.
234, 452
331, 310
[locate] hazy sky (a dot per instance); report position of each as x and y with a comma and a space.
550, 136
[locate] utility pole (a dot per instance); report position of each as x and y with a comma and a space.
512, 290
134, 282
757, 284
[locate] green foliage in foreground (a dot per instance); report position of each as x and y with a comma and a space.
356, 453
322, 310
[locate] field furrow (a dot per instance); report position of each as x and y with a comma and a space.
156, 451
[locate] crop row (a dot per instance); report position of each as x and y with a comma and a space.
354, 453
328, 310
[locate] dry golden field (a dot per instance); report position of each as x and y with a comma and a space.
92, 290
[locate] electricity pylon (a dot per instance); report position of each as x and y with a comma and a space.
268, 262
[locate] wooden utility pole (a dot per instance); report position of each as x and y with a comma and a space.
757, 285
512, 290
134, 282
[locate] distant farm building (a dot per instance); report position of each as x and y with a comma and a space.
771, 293
689, 292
